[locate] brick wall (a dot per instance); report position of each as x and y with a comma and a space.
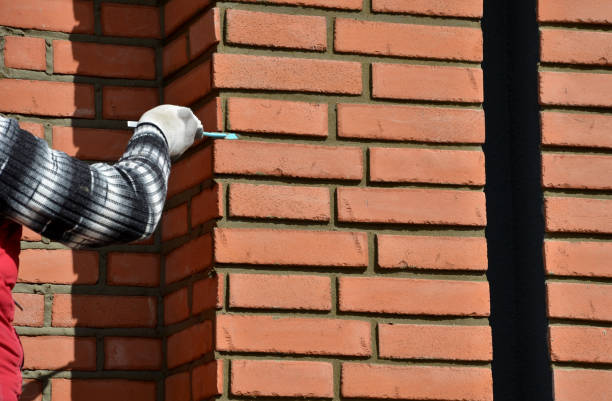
575, 93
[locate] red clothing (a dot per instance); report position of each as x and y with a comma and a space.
11, 353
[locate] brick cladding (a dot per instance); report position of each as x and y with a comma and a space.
575, 93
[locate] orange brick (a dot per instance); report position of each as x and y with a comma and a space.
288, 335
138, 269
276, 30
416, 382
277, 117
188, 259
576, 171
576, 129
411, 123
38, 130
59, 353
102, 390
207, 380
407, 40
130, 20
581, 384
568, 214
426, 82
580, 344
282, 378
174, 222
409, 341
575, 89
585, 11
211, 115
189, 344
238, 71
178, 387
464, 167
591, 259
121, 103
420, 252
129, 353
57, 99
204, 33
411, 206
414, 296
103, 60
291, 247
207, 205
33, 312
580, 301
190, 87
208, 294
452, 8
568, 46
49, 15
91, 143
288, 160
282, 202
25, 53
190, 171
338, 4
58, 266
261, 291
103, 311
176, 12
175, 55
176, 306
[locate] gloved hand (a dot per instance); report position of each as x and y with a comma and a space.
178, 124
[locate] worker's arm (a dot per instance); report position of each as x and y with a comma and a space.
83, 205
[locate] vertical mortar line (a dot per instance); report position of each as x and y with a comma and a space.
366, 81
48, 129
46, 392
371, 253
332, 118
334, 293
374, 339
97, 18
329, 21
332, 206
367, 7
337, 377
98, 101
365, 179
102, 268
48, 307
49, 56
3, 71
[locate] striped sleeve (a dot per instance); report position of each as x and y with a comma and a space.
78, 204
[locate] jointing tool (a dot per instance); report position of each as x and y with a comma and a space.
200, 133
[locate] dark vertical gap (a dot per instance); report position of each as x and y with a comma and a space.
515, 230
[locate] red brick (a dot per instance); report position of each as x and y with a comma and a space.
288, 160
33, 312
282, 379
580, 301
581, 384
411, 123
262, 291
568, 214
591, 259
208, 294
408, 296
175, 55
337, 4
409, 341
428, 252
207, 380
238, 71
277, 117
190, 87
190, 171
59, 353
580, 344
58, 266
130, 20
288, 335
276, 30
211, 115
188, 259
568, 46
576, 129
130, 353
38, 130
49, 15
121, 103
465, 167
57, 99
176, 12
416, 382
189, 344
25, 53
291, 247
32, 390
174, 222
91, 143
585, 11
407, 40
412, 206
176, 306
102, 390
427, 82
178, 387
204, 33
138, 269
103, 60
576, 171
281, 202
452, 8
575, 89
207, 205
104, 311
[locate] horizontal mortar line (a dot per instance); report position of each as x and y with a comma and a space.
595, 110
370, 317
578, 279
71, 122
314, 183
574, 67
389, 185
89, 331
80, 37
577, 193
87, 289
575, 26
83, 374
583, 365
80, 79
576, 150
577, 237
584, 323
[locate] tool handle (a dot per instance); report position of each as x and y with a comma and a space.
200, 133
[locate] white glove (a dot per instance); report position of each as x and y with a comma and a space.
178, 124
